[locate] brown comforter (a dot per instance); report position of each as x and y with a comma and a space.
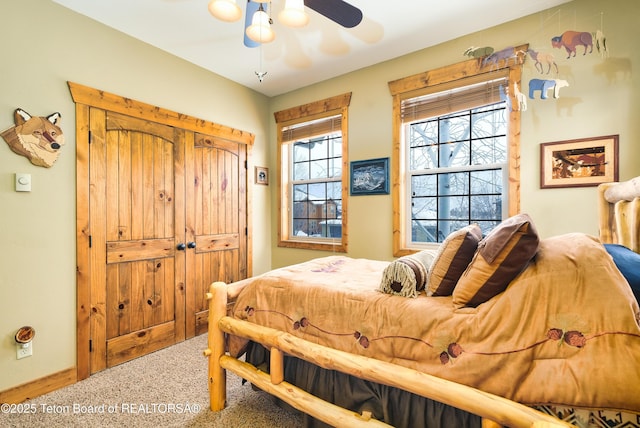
566, 331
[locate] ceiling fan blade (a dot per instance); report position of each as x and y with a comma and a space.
252, 7
338, 11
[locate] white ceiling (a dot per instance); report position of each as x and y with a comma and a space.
303, 56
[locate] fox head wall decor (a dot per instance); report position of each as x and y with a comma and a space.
37, 138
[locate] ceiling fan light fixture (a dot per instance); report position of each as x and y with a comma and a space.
293, 14
260, 29
225, 10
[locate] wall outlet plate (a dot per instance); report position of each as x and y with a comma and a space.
24, 350
23, 182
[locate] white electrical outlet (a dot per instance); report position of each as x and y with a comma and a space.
24, 350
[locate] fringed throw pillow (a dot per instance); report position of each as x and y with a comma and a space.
453, 257
407, 276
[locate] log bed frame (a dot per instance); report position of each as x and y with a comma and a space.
618, 223
494, 410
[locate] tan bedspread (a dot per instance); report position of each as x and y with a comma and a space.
566, 331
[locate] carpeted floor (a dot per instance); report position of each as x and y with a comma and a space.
167, 388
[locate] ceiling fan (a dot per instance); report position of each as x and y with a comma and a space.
257, 28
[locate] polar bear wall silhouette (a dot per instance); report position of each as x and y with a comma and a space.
543, 85
37, 138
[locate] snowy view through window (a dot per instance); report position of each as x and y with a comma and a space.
317, 187
456, 168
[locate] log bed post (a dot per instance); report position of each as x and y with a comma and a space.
619, 222
276, 366
217, 297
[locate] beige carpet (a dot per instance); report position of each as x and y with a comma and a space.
167, 388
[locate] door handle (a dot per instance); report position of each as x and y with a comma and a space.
191, 244
181, 246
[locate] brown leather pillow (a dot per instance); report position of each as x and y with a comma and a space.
453, 257
500, 257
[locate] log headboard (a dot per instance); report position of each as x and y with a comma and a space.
619, 213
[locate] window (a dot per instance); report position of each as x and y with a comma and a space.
312, 149
456, 152
456, 164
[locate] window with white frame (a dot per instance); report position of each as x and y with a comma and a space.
456, 151
312, 142
456, 161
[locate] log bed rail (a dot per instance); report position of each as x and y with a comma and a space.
495, 411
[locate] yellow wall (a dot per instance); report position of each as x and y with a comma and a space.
598, 102
44, 45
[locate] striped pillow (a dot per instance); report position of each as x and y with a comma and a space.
407, 275
500, 257
453, 257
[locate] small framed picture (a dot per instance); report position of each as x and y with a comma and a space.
262, 175
370, 177
579, 163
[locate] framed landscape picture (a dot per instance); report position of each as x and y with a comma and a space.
579, 163
370, 177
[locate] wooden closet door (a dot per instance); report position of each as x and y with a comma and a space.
161, 212
138, 223
216, 221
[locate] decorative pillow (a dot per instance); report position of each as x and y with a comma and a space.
407, 275
500, 257
452, 258
628, 263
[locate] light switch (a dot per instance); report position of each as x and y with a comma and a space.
23, 182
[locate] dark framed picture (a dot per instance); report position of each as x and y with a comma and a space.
579, 163
370, 177
262, 175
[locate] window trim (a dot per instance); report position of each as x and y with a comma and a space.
304, 113
430, 81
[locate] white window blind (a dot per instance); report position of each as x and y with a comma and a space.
442, 100
310, 129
